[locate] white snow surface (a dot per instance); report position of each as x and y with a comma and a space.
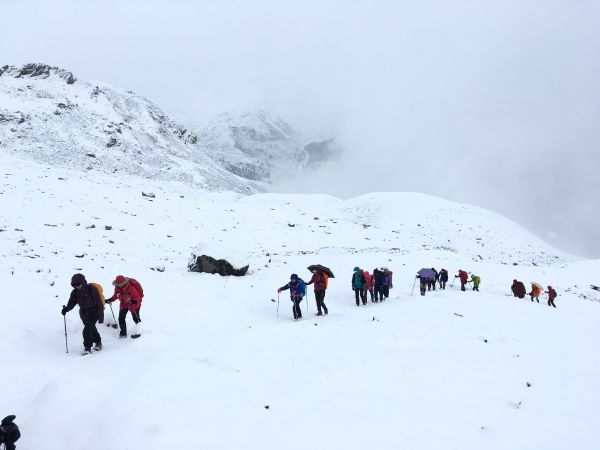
446, 371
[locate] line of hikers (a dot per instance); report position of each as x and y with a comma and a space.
519, 291
377, 284
428, 278
91, 301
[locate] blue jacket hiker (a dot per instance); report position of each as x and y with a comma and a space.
297, 288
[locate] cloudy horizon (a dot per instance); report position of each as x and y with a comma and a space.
493, 103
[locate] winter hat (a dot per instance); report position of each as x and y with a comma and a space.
357, 269
78, 279
514, 281
119, 281
293, 277
549, 287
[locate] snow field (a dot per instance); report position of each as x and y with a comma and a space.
407, 373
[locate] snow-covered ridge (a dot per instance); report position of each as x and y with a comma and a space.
260, 146
48, 116
37, 70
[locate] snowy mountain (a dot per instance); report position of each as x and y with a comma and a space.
261, 147
51, 116
452, 370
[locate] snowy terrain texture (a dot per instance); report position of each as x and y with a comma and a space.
49, 114
222, 365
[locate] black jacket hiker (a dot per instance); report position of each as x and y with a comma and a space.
91, 310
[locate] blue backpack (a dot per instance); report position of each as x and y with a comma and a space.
302, 286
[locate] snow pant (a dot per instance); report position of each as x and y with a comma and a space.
430, 284
476, 287
362, 293
123, 314
372, 292
462, 286
442, 284
296, 308
551, 303
423, 285
386, 291
379, 293
89, 317
536, 298
320, 298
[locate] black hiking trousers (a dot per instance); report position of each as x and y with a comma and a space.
89, 317
123, 315
362, 293
423, 286
296, 308
551, 303
320, 298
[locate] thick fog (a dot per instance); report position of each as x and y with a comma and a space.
493, 103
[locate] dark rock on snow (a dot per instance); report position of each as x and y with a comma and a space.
208, 264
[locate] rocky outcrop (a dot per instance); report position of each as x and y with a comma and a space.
40, 70
208, 264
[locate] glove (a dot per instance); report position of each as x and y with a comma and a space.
63, 311
278, 290
133, 302
109, 300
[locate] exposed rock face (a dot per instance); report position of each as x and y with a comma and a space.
37, 70
208, 264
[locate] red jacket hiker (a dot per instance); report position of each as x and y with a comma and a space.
318, 278
464, 276
128, 291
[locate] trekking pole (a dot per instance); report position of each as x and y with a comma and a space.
113, 314
66, 342
307, 301
277, 305
413, 289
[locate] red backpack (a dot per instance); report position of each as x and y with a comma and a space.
137, 286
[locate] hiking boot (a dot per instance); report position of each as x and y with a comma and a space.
98, 346
87, 350
319, 313
326, 312
122, 334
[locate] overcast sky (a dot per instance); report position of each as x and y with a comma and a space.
495, 103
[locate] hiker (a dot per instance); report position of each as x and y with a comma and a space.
91, 311
464, 278
370, 282
387, 282
359, 286
378, 284
536, 291
433, 280
319, 278
518, 289
130, 294
475, 280
551, 296
443, 276
423, 283
297, 291
9, 432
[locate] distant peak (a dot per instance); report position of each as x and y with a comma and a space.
37, 70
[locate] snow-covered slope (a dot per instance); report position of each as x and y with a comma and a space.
221, 366
260, 146
46, 113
